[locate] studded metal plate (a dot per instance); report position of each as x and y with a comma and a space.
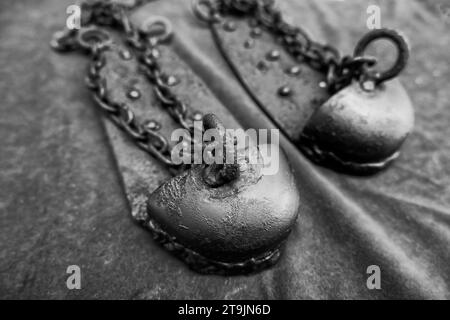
289, 90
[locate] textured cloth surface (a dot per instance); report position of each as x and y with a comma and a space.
62, 200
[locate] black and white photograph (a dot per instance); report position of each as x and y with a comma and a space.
224, 154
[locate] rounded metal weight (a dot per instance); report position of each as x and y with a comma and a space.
238, 227
359, 131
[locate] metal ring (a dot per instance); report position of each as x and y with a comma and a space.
90, 37
148, 28
402, 51
204, 11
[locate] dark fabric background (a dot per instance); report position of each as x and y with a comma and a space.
62, 199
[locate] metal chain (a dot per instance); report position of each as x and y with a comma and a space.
111, 14
340, 71
296, 41
96, 13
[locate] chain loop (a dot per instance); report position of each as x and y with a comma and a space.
97, 41
402, 54
205, 10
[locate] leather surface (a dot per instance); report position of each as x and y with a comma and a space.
62, 199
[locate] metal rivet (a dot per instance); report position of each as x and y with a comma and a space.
322, 84
229, 26
293, 71
152, 125
155, 53
262, 66
125, 55
250, 43
284, 91
134, 94
273, 55
368, 85
256, 32
197, 116
172, 81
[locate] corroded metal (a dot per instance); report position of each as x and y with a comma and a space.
238, 227
360, 131
225, 218
361, 128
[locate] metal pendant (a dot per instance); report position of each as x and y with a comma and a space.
230, 226
218, 218
361, 128
360, 131
323, 103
